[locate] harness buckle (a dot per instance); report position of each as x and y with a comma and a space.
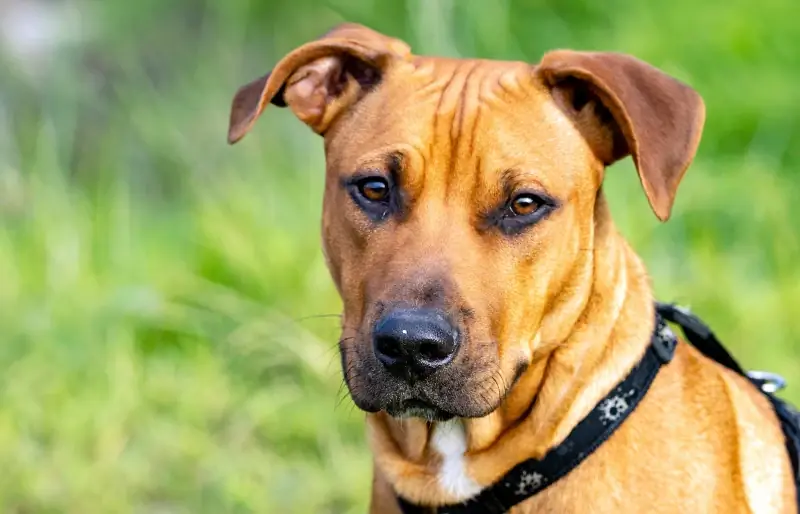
664, 343
766, 381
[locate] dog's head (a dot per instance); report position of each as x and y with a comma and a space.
460, 204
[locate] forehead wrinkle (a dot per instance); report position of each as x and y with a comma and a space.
508, 82
462, 131
499, 88
449, 117
494, 90
470, 131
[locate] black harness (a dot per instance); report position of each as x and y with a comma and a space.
532, 476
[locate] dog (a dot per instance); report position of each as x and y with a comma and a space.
489, 303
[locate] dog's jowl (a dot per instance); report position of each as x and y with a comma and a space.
490, 305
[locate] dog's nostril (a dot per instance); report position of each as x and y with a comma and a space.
388, 347
432, 351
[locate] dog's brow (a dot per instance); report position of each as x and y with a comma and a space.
515, 178
390, 161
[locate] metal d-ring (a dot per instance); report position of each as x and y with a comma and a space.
767, 381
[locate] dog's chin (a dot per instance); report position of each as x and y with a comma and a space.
428, 404
424, 409
418, 409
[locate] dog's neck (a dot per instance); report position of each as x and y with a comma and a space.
606, 318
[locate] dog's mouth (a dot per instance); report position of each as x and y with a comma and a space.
417, 363
416, 408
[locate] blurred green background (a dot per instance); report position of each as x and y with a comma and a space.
168, 326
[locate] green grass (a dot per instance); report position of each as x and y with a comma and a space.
168, 323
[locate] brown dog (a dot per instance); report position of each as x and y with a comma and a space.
465, 228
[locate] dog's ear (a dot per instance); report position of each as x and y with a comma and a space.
625, 106
319, 79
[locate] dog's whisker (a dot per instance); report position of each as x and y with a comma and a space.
339, 345
486, 402
316, 316
343, 389
497, 384
342, 396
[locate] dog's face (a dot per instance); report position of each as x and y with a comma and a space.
458, 218
449, 200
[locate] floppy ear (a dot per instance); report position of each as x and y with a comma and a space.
625, 106
319, 79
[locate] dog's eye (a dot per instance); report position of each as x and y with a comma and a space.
525, 204
522, 211
374, 189
375, 195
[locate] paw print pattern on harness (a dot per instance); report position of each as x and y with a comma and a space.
611, 409
528, 483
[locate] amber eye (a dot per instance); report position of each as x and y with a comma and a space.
374, 189
525, 204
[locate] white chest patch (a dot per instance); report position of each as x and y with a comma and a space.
450, 441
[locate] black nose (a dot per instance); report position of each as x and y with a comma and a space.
413, 343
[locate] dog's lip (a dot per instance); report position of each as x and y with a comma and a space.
415, 407
416, 403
